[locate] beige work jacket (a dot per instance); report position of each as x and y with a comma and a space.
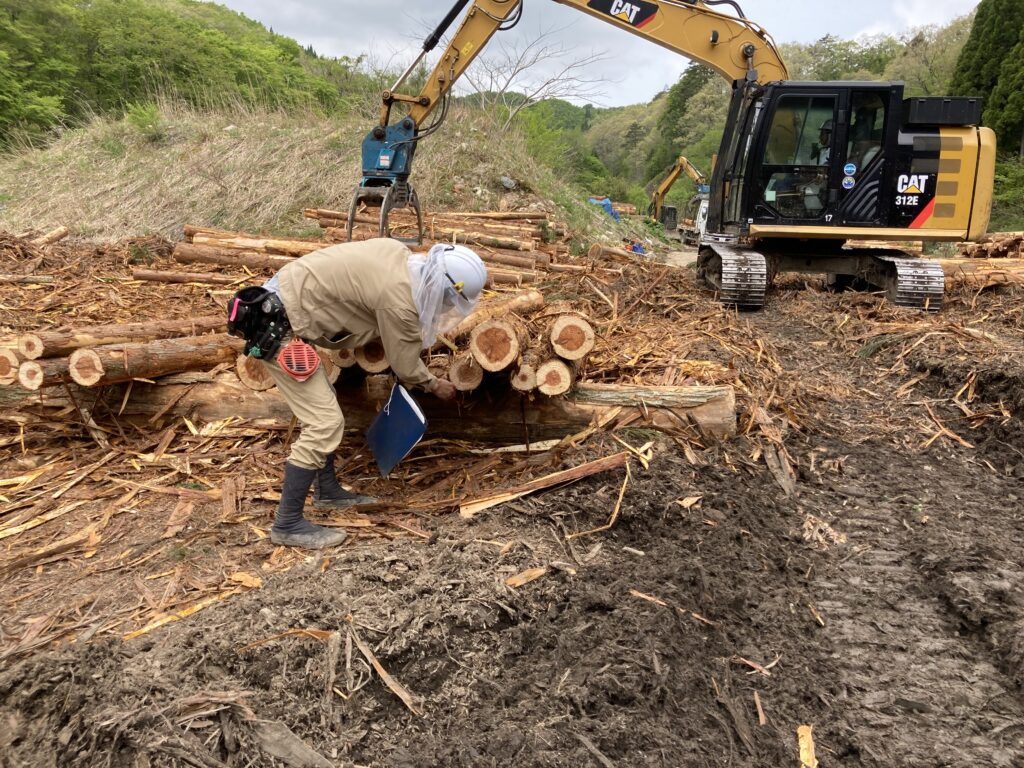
353, 293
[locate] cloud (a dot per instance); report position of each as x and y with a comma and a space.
392, 31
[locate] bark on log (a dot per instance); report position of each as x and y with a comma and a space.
35, 374
710, 411
495, 344
122, 362
51, 237
372, 358
494, 277
342, 358
524, 379
572, 337
27, 279
465, 373
58, 343
8, 366
520, 303
156, 276
268, 246
253, 373
598, 251
984, 272
187, 253
554, 377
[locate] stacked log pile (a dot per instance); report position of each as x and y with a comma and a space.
519, 247
529, 359
995, 245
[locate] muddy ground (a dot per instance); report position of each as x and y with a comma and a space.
876, 594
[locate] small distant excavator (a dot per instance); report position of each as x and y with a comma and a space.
803, 167
695, 214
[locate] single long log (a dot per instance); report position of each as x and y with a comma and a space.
8, 366
509, 419
187, 253
571, 337
520, 303
35, 374
58, 343
51, 237
269, 246
157, 276
121, 362
598, 251
27, 279
496, 277
435, 227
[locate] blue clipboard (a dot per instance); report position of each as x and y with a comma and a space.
396, 430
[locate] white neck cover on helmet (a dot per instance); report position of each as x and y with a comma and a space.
439, 305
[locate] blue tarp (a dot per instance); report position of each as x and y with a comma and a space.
605, 203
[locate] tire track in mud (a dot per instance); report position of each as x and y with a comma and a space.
923, 607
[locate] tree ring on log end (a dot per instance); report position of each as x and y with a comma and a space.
86, 367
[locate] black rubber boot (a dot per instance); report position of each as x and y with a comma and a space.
328, 493
291, 528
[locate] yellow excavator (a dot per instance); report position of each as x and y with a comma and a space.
803, 167
696, 211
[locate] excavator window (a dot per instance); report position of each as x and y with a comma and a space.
795, 169
866, 129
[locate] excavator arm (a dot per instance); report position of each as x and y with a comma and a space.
733, 46
661, 191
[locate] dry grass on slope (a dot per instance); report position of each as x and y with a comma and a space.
239, 169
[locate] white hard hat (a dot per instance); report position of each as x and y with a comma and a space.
465, 270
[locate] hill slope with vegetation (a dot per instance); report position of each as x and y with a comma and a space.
149, 113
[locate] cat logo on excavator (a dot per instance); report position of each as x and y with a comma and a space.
636, 13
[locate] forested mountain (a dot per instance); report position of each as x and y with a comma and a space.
64, 61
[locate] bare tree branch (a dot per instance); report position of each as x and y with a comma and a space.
519, 74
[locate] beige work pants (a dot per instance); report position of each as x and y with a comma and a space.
315, 405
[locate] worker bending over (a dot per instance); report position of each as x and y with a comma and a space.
342, 297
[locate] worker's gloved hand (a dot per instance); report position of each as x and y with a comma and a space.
443, 389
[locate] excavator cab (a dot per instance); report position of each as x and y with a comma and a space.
814, 164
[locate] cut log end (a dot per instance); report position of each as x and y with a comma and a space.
8, 367
342, 358
30, 346
85, 367
253, 373
525, 378
494, 344
554, 377
30, 375
465, 373
372, 358
572, 337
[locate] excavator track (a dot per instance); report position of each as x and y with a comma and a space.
739, 276
913, 282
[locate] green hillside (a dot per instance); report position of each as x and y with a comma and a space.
62, 60
122, 115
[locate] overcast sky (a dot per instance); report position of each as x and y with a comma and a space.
392, 31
